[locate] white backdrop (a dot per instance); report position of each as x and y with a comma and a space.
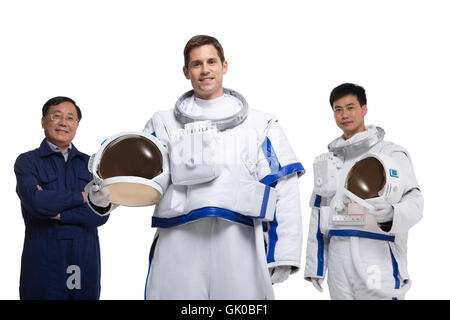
122, 60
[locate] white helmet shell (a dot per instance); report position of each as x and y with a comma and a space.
133, 166
375, 176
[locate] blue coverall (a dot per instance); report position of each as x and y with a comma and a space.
54, 249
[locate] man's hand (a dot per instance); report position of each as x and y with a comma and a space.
100, 198
57, 217
382, 211
317, 283
280, 274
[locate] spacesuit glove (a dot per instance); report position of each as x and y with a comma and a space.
100, 198
317, 283
280, 274
382, 210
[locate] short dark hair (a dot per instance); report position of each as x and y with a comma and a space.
346, 89
201, 40
57, 100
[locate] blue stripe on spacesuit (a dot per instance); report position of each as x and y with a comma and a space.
152, 251
319, 237
317, 201
271, 180
276, 170
395, 270
271, 156
282, 172
360, 234
262, 213
273, 238
213, 212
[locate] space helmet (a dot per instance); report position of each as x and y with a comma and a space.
133, 166
374, 176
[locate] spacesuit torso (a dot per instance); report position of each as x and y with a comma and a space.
232, 168
335, 224
235, 191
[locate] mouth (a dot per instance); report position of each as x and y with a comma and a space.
61, 131
346, 123
206, 79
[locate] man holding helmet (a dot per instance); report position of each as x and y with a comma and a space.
233, 175
232, 171
365, 199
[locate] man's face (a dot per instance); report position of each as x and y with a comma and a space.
205, 70
349, 115
60, 124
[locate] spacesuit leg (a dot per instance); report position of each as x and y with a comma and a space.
379, 280
236, 270
339, 268
179, 266
208, 259
382, 278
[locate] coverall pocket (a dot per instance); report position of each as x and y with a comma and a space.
48, 181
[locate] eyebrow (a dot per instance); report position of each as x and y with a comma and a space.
57, 111
200, 60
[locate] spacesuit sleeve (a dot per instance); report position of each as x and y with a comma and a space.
410, 208
149, 128
276, 159
278, 167
285, 232
42, 204
317, 245
155, 127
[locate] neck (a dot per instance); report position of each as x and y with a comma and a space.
62, 146
347, 135
209, 96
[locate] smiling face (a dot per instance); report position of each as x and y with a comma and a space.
60, 124
206, 70
349, 115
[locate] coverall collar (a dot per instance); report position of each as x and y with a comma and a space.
45, 150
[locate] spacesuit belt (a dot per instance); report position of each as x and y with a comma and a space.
360, 234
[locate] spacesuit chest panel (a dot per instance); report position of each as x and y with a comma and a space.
234, 193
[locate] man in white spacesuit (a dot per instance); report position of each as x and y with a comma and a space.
363, 247
233, 175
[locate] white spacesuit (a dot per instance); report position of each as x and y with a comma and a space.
364, 250
233, 173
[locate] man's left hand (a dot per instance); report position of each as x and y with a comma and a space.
280, 274
382, 210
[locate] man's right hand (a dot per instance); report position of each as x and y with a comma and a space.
100, 198
317, 283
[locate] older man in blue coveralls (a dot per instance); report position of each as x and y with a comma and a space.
61, 253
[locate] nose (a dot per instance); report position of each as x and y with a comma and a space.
62, 122
205, 69
344, 114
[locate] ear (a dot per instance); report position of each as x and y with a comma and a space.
186, 73
43, 122
364, 107
225, 67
